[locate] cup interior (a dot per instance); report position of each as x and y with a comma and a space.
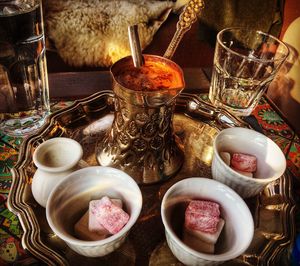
57, 153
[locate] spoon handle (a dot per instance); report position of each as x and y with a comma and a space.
135, 46
186, 19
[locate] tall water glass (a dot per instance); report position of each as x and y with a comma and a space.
245, 62
24, 92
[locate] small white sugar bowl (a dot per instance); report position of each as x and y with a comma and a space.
55, 158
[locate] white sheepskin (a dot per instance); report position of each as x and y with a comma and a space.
94, 32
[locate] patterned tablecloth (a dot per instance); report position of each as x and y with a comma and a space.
11, 252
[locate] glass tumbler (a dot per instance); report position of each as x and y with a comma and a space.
245, 63
24, 92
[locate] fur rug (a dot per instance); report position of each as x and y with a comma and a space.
94, 32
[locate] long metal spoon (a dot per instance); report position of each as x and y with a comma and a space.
186, 19
135, 46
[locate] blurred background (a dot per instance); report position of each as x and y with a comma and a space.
197, 46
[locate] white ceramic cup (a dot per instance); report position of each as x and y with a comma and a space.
70, 198
238, 230
271, 162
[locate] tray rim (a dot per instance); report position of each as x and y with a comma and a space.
32, 238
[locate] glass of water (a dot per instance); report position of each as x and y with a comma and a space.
245, 62
24, 92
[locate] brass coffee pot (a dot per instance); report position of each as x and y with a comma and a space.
141, 140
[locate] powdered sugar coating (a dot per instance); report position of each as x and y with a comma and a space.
203, 216
110, 216
204, 207
243, 162
93, 223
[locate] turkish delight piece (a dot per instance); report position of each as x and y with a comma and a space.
82, 231
249, 174
197, 244
202, 216
210, 238
243, 162
110, 216
93, 224
204, 207
201, 222
226, 157
87, 228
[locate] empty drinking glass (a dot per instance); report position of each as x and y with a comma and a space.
245, 62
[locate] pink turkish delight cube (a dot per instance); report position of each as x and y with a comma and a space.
204, 207
110, 216
244, 162
93, 223
88, 228
202, 216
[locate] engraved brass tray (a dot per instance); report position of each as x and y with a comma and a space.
195, 123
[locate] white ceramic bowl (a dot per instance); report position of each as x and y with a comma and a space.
69, 200
271, 162
238, 230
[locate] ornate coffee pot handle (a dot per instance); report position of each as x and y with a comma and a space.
186, 19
